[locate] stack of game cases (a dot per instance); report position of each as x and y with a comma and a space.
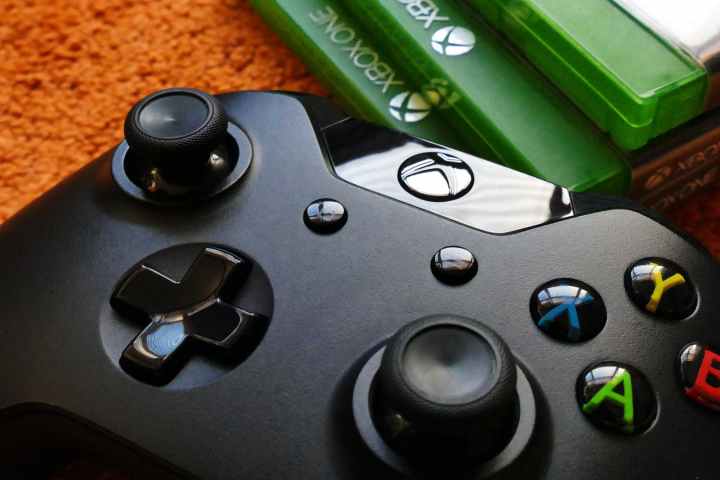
611, 96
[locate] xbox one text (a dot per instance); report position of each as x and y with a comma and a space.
450, 40
363, 57
424, 11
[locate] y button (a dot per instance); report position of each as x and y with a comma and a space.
661, 288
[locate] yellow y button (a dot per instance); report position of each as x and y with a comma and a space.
661, 288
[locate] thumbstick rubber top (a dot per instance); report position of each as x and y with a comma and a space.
176, 128
454, 381
173, 115
449, 365
447, 368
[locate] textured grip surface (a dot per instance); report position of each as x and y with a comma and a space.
158, 141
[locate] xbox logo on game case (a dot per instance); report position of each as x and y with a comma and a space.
453, 41
409, 107
439, 94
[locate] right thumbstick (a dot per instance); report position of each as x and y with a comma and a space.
446, 392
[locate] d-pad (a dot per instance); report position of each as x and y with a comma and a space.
194, 311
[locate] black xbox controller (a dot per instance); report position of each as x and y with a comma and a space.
257, 286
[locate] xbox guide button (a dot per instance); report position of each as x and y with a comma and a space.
435, 176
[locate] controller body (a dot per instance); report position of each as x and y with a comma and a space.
284, 409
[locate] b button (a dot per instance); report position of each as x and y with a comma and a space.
700, 374
661, 288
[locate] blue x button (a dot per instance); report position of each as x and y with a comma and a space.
568, 310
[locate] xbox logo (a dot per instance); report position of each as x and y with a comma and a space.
409, 107
453, 41
439, 94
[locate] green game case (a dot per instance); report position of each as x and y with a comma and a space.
448, 81
443, 37
359, 76
664, 173
625, 63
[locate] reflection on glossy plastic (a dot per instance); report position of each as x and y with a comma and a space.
700, 374
661, 288
486, 196
617, 397
195, 308
454, 265
435, 176
692, 26
325, 216
568, 310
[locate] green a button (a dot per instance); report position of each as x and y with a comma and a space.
617, 397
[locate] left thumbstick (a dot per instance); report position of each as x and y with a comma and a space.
175, 133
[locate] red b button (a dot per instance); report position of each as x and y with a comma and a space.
700, 374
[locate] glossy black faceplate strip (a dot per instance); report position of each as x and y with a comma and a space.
501, 200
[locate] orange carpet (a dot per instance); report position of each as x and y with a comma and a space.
70, 69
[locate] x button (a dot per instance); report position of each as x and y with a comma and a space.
194, 312
568, 310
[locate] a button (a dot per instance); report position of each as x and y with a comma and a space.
179, 315
325, 216
700, 374
660, 287
617, 397
435, 176
454, 265
568, 310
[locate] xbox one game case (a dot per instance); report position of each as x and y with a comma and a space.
309, 27
519, 120
638, 68
677, 190
525, 119
359, 76
673, 167
444, 37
